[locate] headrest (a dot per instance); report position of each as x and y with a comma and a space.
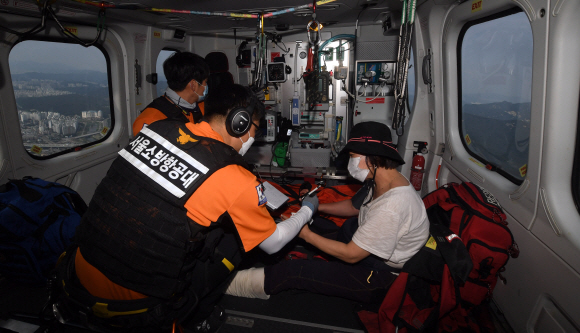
217, 62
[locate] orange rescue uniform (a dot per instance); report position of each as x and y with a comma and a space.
151, 115
232, 188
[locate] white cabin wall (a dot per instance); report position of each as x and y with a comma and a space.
423, 118
558, 222
428, 111
82, 170
541, 294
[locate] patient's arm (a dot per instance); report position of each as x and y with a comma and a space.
341, 208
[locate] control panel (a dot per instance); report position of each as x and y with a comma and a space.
375, 72
317, 85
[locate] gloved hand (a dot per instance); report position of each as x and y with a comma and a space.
311, 201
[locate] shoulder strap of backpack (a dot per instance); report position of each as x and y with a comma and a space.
26, 192
77, 202
68, 194
53, 211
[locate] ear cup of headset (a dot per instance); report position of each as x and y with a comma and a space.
238, 122
239, 119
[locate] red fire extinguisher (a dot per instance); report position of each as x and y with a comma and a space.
417, 171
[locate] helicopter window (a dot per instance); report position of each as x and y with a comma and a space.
63, 97
161, 80
495, 74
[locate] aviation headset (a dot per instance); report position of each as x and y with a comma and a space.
239, 119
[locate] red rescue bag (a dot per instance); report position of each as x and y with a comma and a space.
442, 284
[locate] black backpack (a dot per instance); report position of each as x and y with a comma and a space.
38, 220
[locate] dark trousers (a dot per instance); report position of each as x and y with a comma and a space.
366, 281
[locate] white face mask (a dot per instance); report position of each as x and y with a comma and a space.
246, 145
356, 172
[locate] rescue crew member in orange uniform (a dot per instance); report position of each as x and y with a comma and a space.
176, 210
187, 75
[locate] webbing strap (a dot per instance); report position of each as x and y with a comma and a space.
101, 310
26, 192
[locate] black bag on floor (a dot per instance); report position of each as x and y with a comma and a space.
38, 220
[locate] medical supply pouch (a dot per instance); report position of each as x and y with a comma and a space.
37, 223
437, 289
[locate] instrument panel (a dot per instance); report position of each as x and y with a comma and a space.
276, 72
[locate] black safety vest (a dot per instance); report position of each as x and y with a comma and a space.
136, 230
174, 112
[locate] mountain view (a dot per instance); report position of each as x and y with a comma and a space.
499, 133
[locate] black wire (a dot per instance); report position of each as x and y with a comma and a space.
14, 32
399, 113
286, 50
48, 11
39, 27
72, 36
284, 180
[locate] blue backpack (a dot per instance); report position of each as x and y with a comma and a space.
38, 220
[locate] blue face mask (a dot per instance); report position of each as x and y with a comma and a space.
202, 97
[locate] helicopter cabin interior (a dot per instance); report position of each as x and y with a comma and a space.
481, 91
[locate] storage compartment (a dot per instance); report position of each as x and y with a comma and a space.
306, 157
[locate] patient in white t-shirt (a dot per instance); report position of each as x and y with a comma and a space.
388, 227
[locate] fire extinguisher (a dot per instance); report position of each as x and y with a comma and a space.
418, 166
417, 171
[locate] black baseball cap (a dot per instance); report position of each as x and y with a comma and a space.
371, 138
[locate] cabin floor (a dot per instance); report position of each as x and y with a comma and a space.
291, 311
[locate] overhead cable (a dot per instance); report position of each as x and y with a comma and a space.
194, 12
46, 12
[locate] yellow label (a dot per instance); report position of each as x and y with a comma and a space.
524, 170
431, 243
476, 162
241, 15
467, 139
104, 130
36, 149
157, 34
476, 6
72, 30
